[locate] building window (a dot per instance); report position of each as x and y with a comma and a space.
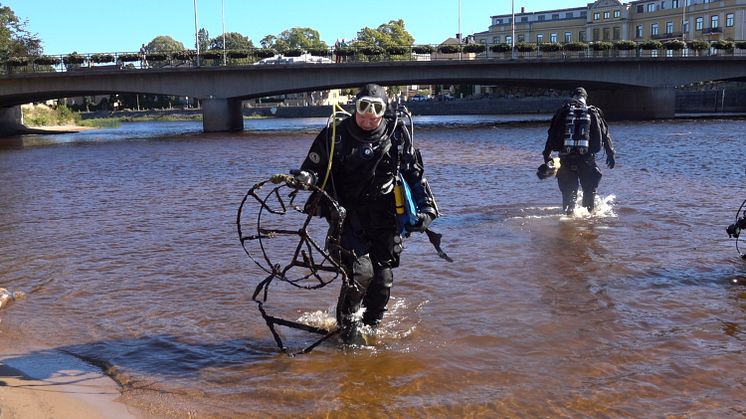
568, 15
581, 36
596, 16
617, 34
541, 18
654, 29
521, 38
539, 38
509, 40
714, 21
607, 15
685, 26
555, 16
607, 36
595, 35
699, 23
553, 37
640, 8
617, 13
524, 19
568, 36
495, 39
675, 3
669, 27
729, 20
663, 5
651, 7
638, 31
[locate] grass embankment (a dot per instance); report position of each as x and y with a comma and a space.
61, 115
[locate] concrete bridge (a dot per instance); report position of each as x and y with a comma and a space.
626, 88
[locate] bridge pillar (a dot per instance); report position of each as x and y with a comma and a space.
11, 120
221, 115
635, 103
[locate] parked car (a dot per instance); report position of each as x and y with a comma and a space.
419, 98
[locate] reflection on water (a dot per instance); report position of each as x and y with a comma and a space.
124, 241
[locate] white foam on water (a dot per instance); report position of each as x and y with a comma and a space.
603, 208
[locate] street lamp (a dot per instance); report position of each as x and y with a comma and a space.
512, 22
222, 18
196, 31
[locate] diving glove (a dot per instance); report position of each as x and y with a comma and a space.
610, 161
423, 222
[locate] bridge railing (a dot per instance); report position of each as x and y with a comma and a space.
468, 52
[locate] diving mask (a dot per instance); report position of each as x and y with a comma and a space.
373, 105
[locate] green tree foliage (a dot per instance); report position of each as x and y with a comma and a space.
15, 39
294, 39
233, 41
388, 34
164, 43
203, 37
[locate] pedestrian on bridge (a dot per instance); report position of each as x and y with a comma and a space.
577, 132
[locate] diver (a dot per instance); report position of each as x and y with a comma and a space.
373, 155
577, 132
734, 230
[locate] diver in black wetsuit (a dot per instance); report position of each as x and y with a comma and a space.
371, 148
577, 132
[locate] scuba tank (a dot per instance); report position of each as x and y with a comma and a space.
577, 129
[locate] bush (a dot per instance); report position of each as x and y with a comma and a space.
600, 46
128, 58
651, 45
46, 60
525, 47
293, 52
575, 46
184, 55
265, 53
397, 50
238, 54
740, 44
211, 55
674, 45
102, 58
722, 45
371, 50
156, 56
422, 49
448, 49
550, 47
73, 58
625, 45
17, 61
319, 52
475, 48
698, 45
501, 48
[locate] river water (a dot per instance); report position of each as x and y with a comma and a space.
125, 242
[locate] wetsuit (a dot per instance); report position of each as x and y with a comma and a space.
362, 180
578, 132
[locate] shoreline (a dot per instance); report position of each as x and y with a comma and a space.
52, 384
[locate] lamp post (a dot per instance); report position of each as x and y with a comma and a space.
512, 23
222, 17
196, 31
460, 56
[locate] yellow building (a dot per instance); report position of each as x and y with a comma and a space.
612, 20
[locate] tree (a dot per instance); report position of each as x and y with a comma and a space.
268, 41
203, 37
15, 39
388, 34
295, 38
233, 41
164, 43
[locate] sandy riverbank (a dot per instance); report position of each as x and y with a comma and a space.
46, 384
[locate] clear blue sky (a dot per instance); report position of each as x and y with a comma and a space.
88, 26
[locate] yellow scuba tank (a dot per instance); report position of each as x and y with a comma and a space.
399, 198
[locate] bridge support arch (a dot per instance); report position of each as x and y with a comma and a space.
635, 103
11, 120
219, 115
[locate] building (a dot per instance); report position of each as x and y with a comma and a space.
612, 20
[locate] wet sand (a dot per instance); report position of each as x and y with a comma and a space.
69, 391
